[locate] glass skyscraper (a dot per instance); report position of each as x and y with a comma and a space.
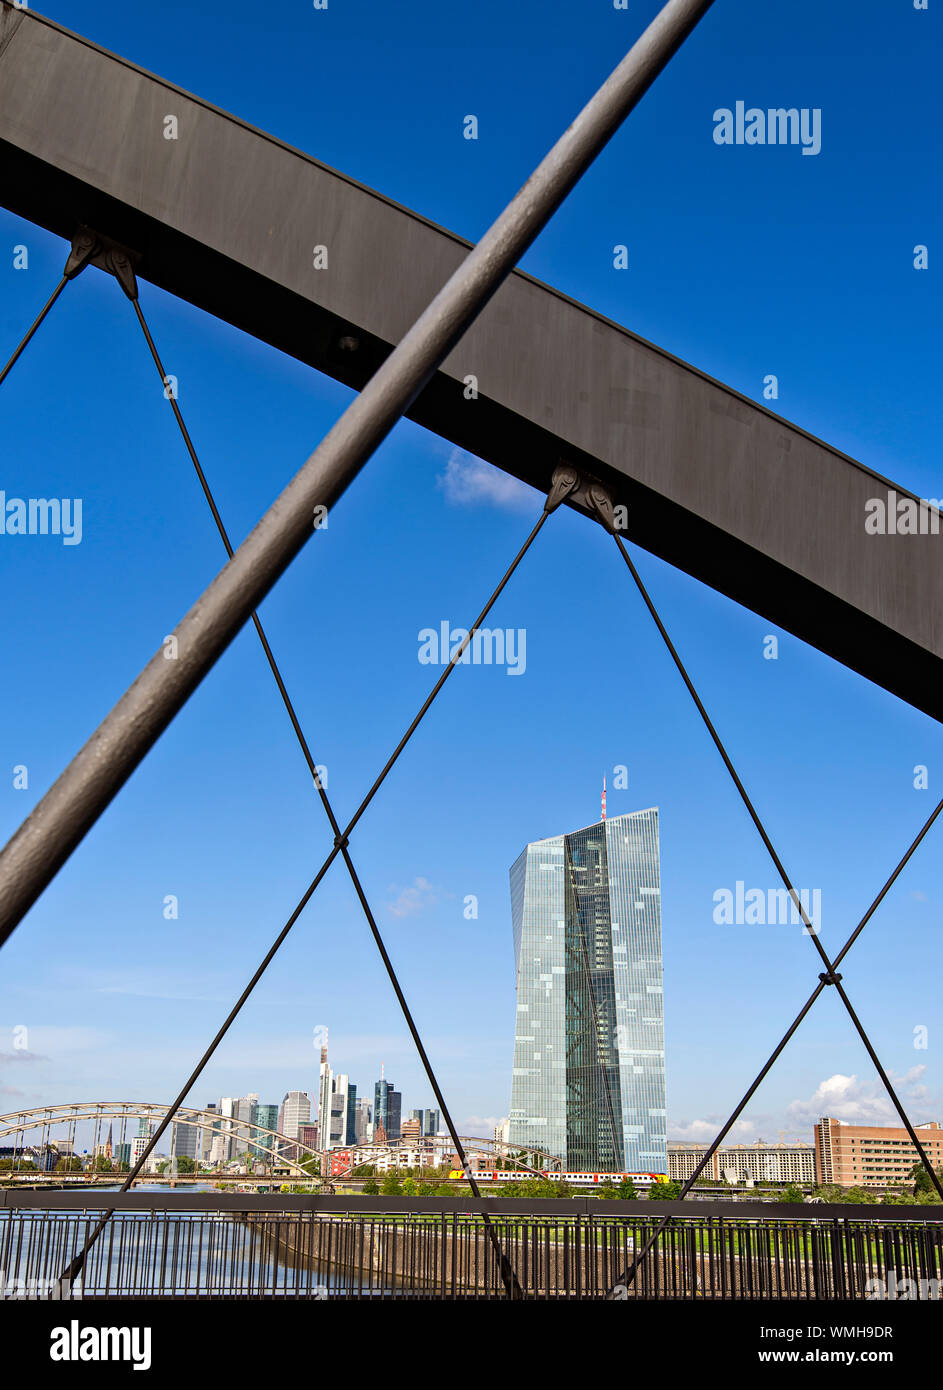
589, 1052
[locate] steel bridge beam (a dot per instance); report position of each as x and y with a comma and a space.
227, 217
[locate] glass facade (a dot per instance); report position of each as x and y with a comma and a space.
387, 1108
267, 1117
588, 1083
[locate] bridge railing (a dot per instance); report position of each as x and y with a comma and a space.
199, 1245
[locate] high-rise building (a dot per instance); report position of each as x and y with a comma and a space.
221, 1151
186, 1140
267, 1117
363, 1122
308, 1135
325, 1078
872, 1155
336, 1136
295, 1111
411, 1129
387, 1106
351, 1113
337, 1103
244, 1111
428, 1122
209, 1134
588, 1083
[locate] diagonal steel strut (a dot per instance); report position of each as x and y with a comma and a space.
565, 481
62, 818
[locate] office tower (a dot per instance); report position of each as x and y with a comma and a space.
335, 1119
387, 1105
308, 1134
221, 1149
351, 1113
431, 1120
295, 1110
267, 1117
380, 1093
244, 1112
186, 1140
208, 1134
588, 1083
337, 1100
363, 1122
411, 1130
416, 1115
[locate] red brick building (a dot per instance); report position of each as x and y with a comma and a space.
872, 1155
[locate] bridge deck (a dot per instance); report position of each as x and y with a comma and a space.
227, 217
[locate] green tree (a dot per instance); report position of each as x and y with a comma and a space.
426, 1189
390, 1186
538, 1187
923, 1188
857, 1195
445, 1190
607, 1190
664, 1192
409, 1187
626, 1191
370, 1188
792, 1193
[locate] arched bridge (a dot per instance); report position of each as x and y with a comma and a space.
290, 1153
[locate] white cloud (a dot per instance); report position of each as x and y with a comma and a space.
705, 1131
856, 1102
479, 1126
470, 482
418, 895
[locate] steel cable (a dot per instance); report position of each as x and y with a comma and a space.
830, 977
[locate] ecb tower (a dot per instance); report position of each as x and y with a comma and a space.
589, 1051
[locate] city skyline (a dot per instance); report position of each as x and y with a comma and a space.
116, 998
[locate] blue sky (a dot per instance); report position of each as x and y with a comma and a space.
744, 261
